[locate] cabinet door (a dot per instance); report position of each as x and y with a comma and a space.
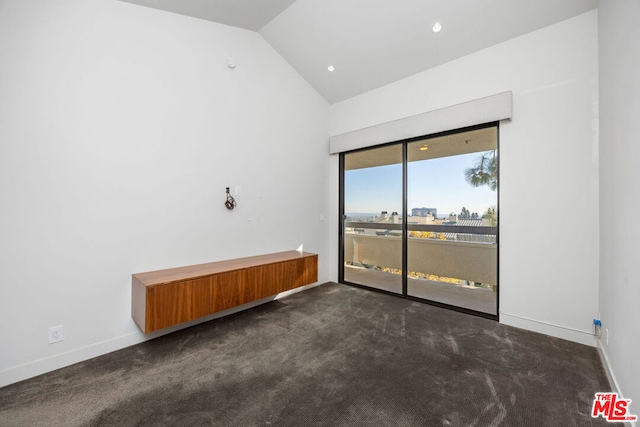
229, 290
264, 279
295, 273
291, 275
174, 303
272, 279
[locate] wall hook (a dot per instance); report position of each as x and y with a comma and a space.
231, 202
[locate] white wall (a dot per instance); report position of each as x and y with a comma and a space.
619, 51
120, 127
548, 158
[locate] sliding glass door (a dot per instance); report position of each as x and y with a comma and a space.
372, 218
419, 218
452, 224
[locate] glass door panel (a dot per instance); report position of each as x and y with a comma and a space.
372, 222
452, 219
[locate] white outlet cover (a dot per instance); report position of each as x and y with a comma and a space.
56, 334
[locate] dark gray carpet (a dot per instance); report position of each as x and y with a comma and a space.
331, 356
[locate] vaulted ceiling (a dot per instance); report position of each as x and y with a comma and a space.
371, 43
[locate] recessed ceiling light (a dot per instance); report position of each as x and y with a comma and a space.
437, 27
330, 68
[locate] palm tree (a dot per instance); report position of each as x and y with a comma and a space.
484, 171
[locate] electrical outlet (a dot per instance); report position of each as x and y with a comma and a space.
56, 334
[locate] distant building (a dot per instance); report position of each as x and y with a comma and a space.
427, 219
452, 219
424, 212
394, 218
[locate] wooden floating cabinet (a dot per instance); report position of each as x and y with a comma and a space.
166, 298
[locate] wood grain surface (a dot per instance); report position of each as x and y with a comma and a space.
169, 297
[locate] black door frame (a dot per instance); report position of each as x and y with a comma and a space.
405, 240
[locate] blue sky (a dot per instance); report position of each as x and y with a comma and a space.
436, 183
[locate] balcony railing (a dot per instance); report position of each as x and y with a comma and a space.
380, 245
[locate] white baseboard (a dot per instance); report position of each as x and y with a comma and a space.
607, 368
582, 337
41, 366
613, 382
51, 363
570, 334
